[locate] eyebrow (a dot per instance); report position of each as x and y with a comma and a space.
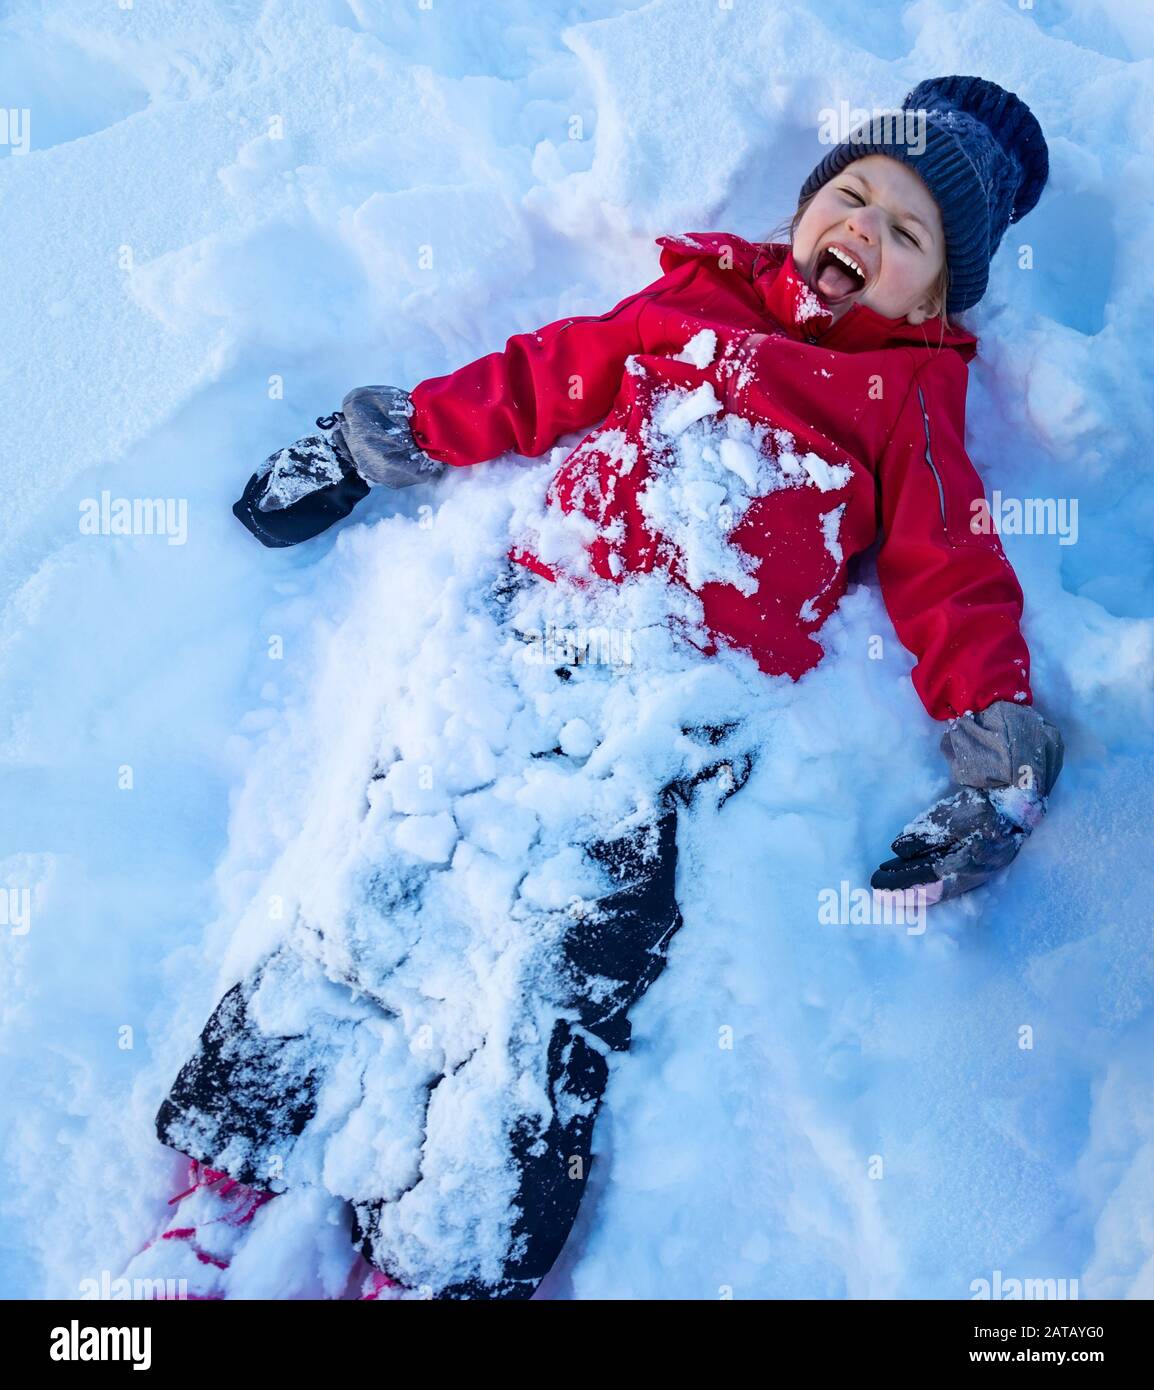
908, 216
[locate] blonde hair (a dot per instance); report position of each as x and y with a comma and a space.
939, 290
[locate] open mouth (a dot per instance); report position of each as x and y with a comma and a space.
835, 278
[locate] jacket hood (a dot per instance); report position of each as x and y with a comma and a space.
787, 297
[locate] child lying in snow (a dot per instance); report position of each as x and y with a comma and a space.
841, 340
767, 409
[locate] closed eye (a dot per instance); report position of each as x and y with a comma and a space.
902, 230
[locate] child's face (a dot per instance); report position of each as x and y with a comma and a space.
881, 212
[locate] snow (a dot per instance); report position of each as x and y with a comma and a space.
826, 476
700, 350
709, 468
229, 215
809, 306
685, 408
297, 471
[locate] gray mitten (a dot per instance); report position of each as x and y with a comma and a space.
375, 425
306, 487
1006, 759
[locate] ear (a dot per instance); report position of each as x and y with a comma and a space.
927, 309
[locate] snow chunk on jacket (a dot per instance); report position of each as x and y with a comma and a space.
856, 427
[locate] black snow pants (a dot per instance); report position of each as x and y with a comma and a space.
246, 1089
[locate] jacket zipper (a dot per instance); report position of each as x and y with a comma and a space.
930, 457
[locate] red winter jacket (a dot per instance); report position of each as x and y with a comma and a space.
874, 394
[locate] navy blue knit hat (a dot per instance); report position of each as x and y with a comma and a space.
980, 151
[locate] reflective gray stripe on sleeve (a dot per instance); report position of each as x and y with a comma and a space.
930, 457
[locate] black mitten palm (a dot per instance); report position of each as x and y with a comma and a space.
302, 489
305, 488
1006, 760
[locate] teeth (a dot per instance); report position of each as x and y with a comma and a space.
846, 260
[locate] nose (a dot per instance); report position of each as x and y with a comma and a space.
863, 222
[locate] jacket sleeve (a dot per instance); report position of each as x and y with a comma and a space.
951, 593
540, 386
